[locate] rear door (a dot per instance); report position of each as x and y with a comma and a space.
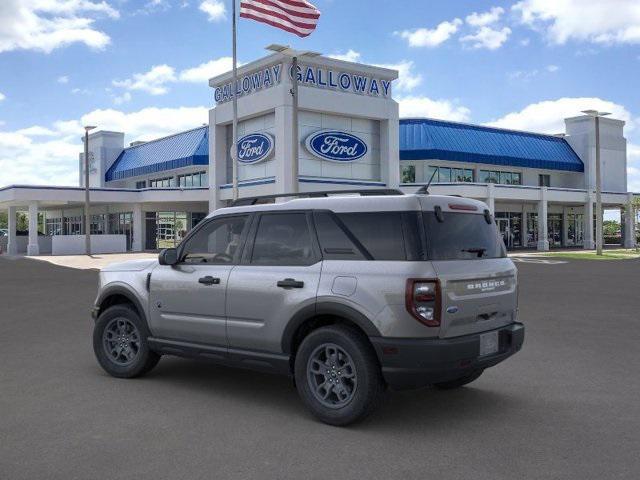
477, 280
187, 300
278, 276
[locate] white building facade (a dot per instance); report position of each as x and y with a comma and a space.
541, 188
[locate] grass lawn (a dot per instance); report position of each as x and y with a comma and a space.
617, 254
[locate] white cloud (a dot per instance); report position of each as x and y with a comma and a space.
486, 18
407, 78
487, 37
525, 42
203, 72
48, 155
154, 81
595, 21
424, 37
45, 25
63, 79
120, 99
527, 75
349, 56
548, 116
2, 96
214, 9
419, 106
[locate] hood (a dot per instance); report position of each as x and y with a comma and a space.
131, 265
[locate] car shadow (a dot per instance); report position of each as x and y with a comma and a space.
402, 411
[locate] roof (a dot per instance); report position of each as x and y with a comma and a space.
347, 203
427, 139
183, 149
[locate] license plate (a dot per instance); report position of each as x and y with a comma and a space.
488, 343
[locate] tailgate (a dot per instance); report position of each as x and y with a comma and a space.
477, 295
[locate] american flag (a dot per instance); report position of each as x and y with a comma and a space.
294, 16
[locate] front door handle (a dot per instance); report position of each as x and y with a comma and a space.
209, 280
290, 283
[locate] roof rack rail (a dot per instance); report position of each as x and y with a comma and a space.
257, 200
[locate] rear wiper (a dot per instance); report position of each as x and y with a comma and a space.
479, 251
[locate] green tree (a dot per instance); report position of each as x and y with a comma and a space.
3, 220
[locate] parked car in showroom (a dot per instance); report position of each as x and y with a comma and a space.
346, 294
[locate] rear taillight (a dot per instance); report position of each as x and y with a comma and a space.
422, 299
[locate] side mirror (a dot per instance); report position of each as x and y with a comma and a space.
168, 256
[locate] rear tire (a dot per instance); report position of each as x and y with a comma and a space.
459, 382
338, 376
120, 343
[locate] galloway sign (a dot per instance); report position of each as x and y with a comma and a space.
331, 79
336, 146
308, 76
254, 148
248, 84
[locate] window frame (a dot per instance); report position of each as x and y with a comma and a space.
247, 251
203, 224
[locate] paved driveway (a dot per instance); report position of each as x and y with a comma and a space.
565, 407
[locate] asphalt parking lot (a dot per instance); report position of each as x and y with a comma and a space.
567, 406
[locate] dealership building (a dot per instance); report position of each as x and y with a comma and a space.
146, 196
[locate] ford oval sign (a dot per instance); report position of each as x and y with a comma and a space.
255, 148
336, 146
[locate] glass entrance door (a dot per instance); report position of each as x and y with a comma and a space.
510, 228
554, 229
503, 228
575, 229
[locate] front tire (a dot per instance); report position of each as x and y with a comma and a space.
120, 343
338, 376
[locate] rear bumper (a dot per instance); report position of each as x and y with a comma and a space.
414, 363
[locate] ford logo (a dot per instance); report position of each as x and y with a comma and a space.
336, 146
255, 147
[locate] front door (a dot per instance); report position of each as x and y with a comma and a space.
278, 276
504, 227
187, 300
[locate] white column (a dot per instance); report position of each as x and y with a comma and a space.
138, 232
565, 226
283, 154
12, 245
390, 150
629, 224
33, 248
589, 242
490, 200
543, 238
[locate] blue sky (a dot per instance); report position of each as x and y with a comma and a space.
142, 66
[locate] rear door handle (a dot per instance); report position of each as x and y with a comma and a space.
290, 283
209, 280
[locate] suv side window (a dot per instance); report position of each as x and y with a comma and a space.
381, 233
283, 239
334, 241
217, 242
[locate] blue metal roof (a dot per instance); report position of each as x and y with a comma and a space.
427, 139
183, 149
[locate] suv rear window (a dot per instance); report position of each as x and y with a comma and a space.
461, 236
368, 236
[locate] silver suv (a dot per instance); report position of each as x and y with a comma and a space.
346, 294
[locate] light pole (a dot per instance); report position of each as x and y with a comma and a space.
295, 145
87, 216
596, 114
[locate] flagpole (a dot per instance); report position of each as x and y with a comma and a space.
234, 146
294, 125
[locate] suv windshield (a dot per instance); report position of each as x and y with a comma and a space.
461, 236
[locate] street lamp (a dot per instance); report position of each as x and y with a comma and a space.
596, 114
87, 216
294, 54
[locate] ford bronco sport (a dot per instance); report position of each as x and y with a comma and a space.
347, 294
